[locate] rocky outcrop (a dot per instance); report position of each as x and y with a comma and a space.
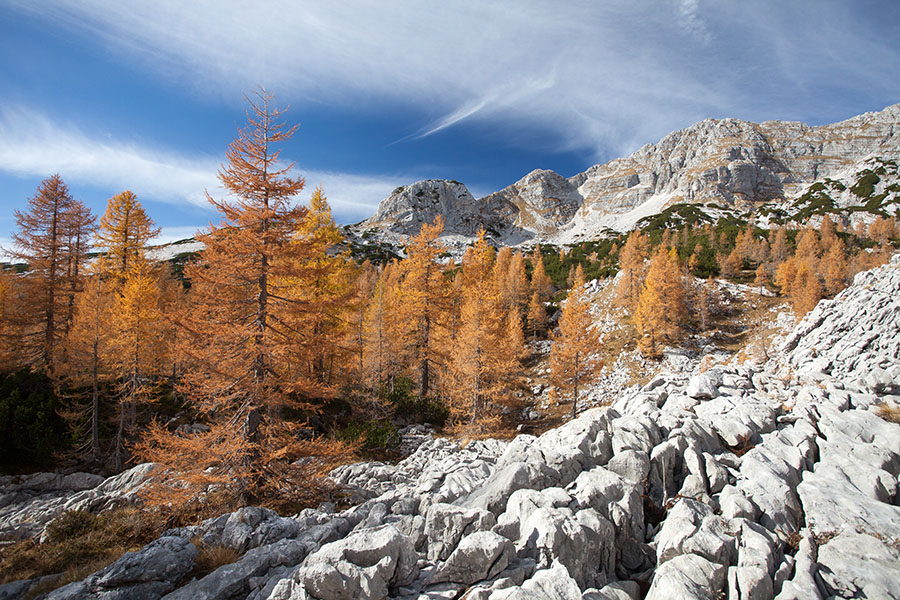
29, 503
403, 213
723, 162
746, 482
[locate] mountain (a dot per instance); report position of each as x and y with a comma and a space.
729, 163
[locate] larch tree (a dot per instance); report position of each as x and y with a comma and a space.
477, 349
778, 242
44, 241
89, 356
632, 268
137, 345
835, 267
661, 309
537, 315
761, 278
320, 285
515, 288
425, 303
124, 231
233, 343
540, 281
574, 355
385, 337
364, 288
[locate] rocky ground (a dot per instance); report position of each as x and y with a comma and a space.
776, 480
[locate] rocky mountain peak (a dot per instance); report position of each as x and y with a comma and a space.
729, 162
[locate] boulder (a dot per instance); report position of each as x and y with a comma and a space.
481, 555
146, 574
687, 577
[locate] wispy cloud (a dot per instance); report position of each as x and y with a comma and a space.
601, 76
33, 144
690, 20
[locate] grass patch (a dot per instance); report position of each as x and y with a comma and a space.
888, 413
209, 558
78, 543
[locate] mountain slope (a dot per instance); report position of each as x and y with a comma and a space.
774, 480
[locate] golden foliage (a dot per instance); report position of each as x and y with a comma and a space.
661, 310
633, 270
574, 355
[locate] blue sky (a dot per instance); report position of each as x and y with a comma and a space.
146, 95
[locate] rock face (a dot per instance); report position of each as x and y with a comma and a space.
409, 207
725, 162
771, 481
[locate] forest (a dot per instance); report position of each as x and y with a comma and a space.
276, 353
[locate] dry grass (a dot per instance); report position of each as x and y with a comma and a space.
210, 558
888, 413
78, 544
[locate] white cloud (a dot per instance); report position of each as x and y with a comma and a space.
33, 144
560, 66
601, 76
687, 12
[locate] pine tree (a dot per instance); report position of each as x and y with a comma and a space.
124, 231
661, 310
574, 357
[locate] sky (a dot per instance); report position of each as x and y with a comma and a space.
146, 96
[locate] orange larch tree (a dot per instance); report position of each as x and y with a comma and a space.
540, 281
574, 354
52, 239
661, 310
631, 265
425, 303
234, 336
478, 351
124, 232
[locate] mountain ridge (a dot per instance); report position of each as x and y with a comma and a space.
735, 163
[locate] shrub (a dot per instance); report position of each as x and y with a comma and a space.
30, 429
408, 406
375, 435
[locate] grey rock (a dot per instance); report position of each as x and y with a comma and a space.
693, 528
553, 583
146, 574
860, 565
481, 555
365, 564
447, 524
687, 576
